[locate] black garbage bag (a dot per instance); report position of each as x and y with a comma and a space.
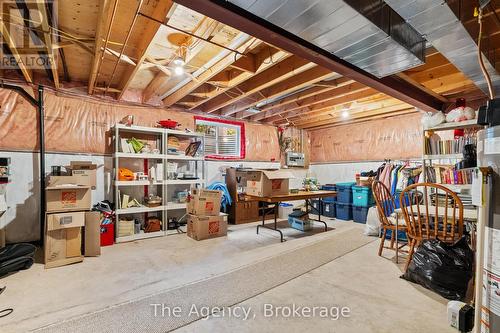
442, 268
16, 257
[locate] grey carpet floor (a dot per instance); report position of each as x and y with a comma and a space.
224, 290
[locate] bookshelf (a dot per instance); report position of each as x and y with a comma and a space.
439, 157
161, 186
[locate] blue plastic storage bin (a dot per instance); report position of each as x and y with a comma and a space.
362, 196
343, 211
315, 203
300, 221
329, 209
329, 187
359, 214
344, 192
396, 199
401, 235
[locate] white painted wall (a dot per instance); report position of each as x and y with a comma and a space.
341, 172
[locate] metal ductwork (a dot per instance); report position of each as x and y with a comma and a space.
436, 21
365, 33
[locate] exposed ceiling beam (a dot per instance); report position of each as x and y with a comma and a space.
27, 73
141, 51
364, 118
106, 11
47, 38
384, 106
293, 101
297, 82
264, 59
244, 42
242, 20
277, 73
304, 104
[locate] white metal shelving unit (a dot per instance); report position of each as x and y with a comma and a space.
163, 187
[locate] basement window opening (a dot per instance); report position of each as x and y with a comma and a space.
224, 139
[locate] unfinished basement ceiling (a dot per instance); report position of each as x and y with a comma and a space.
365, 33
228, 72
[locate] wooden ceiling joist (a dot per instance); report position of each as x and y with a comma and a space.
141, 51
293, 100
220, 66
364, 118
265, 58
27, 73
277, 73
107, 9
47, 38
297, 82
305, 103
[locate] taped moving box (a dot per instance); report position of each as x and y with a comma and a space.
204, 202
63, 238
265, 183
85, 169
68, 193
205, 227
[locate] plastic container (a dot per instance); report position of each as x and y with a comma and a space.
284, 210
401, 235
299, 220
329, 209
343, 211
329, 187
107, 234
396, 199
359, 214
362, 196
344, 192
315, 209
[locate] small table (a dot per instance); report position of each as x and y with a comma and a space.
277, 199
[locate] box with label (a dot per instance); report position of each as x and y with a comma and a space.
205, 227
68, 198
63, 239
204, 202
85, 169
265, 183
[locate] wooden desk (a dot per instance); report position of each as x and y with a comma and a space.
274, 202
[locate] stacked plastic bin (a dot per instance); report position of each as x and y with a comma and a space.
344, 201
329, 202
362, 200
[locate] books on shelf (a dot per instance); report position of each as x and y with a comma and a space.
435, 146
449, 175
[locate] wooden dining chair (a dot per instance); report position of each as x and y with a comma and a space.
385, 209
431, 211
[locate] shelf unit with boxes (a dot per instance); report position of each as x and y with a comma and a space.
440, 157
166, 172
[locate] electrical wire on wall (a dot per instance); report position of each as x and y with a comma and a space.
480, 54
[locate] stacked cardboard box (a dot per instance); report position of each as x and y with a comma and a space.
204, 219
69, 200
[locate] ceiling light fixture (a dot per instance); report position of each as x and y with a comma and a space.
178, 70
345, 113
179, 61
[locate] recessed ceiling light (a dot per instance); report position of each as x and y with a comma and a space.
345, 114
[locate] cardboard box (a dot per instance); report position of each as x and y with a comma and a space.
68, 198
265, 183
76, 180
205, 227
204, 202
92, 234
85, 169
63, 239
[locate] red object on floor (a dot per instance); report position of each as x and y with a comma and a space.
107, 234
